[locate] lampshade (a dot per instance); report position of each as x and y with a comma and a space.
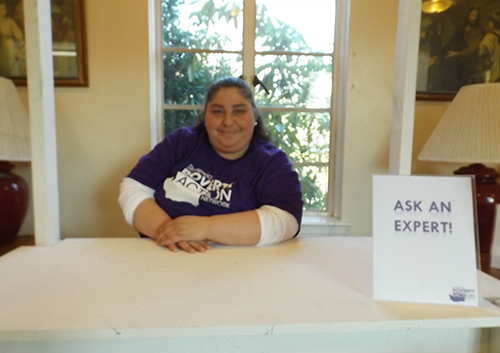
14, 124
436, 6
469, 131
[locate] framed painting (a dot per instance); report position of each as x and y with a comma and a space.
69, 47
459, 45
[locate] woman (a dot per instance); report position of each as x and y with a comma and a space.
11, 44
489, 49
220, 181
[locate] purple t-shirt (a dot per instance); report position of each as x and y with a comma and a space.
190, 178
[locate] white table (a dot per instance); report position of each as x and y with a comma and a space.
306, 295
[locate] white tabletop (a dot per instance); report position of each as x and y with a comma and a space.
100, 288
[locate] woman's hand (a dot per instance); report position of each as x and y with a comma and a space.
189, 246
451, 54
186, 232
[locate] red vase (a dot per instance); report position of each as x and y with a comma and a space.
488, 195
14, 199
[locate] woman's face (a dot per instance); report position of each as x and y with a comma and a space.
230, 122
473, 16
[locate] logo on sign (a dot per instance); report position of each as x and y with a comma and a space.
460, 294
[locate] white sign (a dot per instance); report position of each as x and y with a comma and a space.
424, 239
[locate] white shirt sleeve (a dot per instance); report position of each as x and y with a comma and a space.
276, 225
132, 193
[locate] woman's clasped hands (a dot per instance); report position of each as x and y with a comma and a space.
189, 233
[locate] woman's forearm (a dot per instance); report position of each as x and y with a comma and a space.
148, 217
241, 228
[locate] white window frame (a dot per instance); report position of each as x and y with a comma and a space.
329, 224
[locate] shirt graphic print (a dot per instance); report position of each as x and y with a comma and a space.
193, 184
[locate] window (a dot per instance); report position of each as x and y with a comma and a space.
285, 48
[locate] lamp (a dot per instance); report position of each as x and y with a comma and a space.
14, 146
469, 132
436, 6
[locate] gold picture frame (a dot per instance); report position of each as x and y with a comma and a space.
69, 45
454, 41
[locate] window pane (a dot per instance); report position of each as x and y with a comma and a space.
294, 81
188, 75
174, 119
305, 137
293, 25
201, 24
314, 181
65, 59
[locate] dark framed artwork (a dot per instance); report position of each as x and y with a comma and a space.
458, 46
69, 46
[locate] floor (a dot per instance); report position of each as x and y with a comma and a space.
29, 240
